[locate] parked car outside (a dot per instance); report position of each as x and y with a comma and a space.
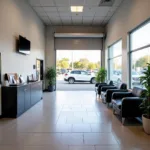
79, 76
63, 71
117, 76
135, 77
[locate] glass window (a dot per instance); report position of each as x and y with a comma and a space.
115, 62
139, 60
84, 73
77, 72
139, 53
72, 72
140, 37
115, 50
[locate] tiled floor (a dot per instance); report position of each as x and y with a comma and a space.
70, 121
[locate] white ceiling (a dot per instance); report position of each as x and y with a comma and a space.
57, 12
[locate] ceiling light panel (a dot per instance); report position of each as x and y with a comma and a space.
76, 8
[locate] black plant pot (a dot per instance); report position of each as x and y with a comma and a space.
51, 88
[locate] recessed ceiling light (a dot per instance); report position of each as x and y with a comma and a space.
76, 8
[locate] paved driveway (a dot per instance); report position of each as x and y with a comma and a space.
77, 86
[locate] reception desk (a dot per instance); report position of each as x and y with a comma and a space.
18, 99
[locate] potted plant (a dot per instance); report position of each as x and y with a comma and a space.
101, 75
145, 106
50, 76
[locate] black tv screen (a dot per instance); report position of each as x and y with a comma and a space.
24, 45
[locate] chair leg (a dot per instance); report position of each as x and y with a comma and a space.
123, 121
114, 112
107, 105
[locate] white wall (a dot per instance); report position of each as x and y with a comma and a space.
130, 14
18, 18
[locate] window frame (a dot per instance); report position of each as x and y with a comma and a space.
135, 50
111, 58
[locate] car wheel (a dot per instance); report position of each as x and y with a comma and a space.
93, 81
71, 80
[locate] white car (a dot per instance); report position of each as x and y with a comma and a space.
135, 78
79, 76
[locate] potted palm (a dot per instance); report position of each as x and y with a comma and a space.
50, 76
145, 106
101, 75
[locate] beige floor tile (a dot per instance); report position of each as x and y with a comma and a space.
73, 119
72, 139
111, 147
91, 120
135, 147
80, 114
100, 127
81, 148
63, 128
99, 139
13, 139
81, 128
92, 114
50, 147
39, 139
10, 147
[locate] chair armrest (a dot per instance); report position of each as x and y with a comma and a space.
120, 95
105, 88
100, 86
109, 93
131, 99
130, 107
97, 84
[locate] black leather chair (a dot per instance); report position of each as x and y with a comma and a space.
107, 91
100, 85
126, 104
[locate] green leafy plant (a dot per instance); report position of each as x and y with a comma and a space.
51, 76
101, 75
145, 81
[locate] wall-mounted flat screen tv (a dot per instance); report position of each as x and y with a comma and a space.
24, 45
